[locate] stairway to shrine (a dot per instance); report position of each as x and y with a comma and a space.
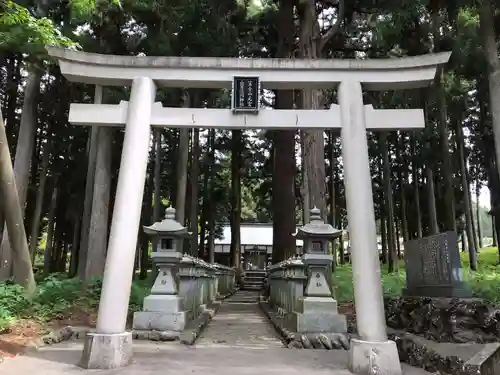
240, 323
253, 279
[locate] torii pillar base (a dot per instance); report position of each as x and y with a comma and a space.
103, 351
368, 357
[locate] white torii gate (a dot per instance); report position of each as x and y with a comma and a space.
351, 115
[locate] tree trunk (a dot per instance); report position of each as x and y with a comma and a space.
396, 237
98, 229
195, 191
283, 179
338, 214
146, 216
402, 183
389, 199
416, 184
210, 203
89, 191
40, 193
467, 204
236, 165
23, 270
433, 223
157, 205
450, 216
487, 32
304, 188
383, 236
24, 151
311, 43
73, 264
182, 170
494, 232
49, 243
478, 215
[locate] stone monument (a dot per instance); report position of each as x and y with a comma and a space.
163, 309
433, 267
317, 310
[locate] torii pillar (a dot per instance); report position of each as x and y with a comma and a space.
372, 350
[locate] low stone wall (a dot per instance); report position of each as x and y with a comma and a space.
444, 319
447, 358
328, 341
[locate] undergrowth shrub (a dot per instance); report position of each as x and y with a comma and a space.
484, 283
56, 297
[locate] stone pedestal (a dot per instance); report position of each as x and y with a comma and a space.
317, 314
163, 310
161, 313
374, 357
103, 351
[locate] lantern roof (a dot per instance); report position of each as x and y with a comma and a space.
168, 226
317, 227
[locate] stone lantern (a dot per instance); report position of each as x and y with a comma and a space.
163, 309
317, 311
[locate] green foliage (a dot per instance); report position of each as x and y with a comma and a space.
485, 282
22, 32
56, 297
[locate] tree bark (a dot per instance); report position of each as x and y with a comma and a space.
146, 216
182, 169
40, 193
416, 184
433, 223
478, 216
283, 179
23, 270
487, 32
236, 161
98, 228
467, 204
312, 41
210, 204
157, 205
195, 191
402, 183
73, 264
389, 199
24, 150
49, 243
89, 191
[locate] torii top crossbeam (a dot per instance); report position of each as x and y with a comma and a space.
217, 72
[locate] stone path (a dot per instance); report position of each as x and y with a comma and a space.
240, 323
238, 341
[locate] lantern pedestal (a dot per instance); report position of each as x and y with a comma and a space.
160, 321
317, 311
163, 308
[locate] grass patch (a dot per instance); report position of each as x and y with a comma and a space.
56, 297
485, 282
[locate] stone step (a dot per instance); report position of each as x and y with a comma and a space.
253, 282
255, 273
253, 277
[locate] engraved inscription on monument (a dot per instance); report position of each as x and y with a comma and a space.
433, 267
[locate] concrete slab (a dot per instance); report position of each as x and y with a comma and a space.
176, 359
238, 341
